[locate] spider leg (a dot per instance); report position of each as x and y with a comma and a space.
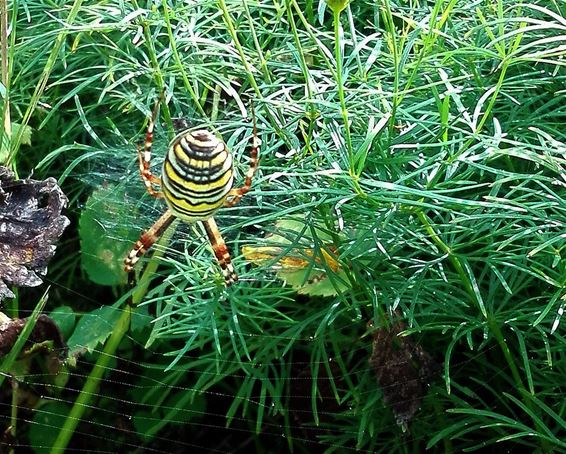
144, 158
238, 193
148, 239
220, 251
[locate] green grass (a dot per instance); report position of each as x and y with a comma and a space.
423, 143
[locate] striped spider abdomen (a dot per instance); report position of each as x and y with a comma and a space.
196, 180
197, 175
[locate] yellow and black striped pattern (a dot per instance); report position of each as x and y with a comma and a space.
197, 175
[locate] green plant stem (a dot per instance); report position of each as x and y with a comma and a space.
92, 382
275, 122
151, 268
4, 41
343, 110
311, 107
492, 323
257, 45
121, 328
40, 87
469, 289
498, 334
506, 62
429, 39
7, 132
158, 75
178, 62
523, 392
232, 30
454, 260
390, 27
341, 96
309, 29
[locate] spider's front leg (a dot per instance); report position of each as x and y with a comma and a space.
220, 251
236, 194
148, 239
144, 158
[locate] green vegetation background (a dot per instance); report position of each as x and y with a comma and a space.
419, 143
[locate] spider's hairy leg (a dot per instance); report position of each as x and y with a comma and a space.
238, 193
220, 251
148, 239
144, 158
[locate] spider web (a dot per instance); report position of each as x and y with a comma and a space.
120, 207
211, 369
261, 367
137, 402
174, 415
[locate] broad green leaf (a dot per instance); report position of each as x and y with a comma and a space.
93, 329
26, 134
105, 240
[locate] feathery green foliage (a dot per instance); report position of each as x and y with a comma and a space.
420, 144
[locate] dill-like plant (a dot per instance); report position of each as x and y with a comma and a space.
419, 144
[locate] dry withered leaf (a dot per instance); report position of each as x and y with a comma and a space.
403, 369
30, 224
45, 329
291, 252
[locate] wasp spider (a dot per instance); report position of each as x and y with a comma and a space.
196, 180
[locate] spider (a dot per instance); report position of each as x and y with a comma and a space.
196, 180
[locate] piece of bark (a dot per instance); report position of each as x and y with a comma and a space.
30, 224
